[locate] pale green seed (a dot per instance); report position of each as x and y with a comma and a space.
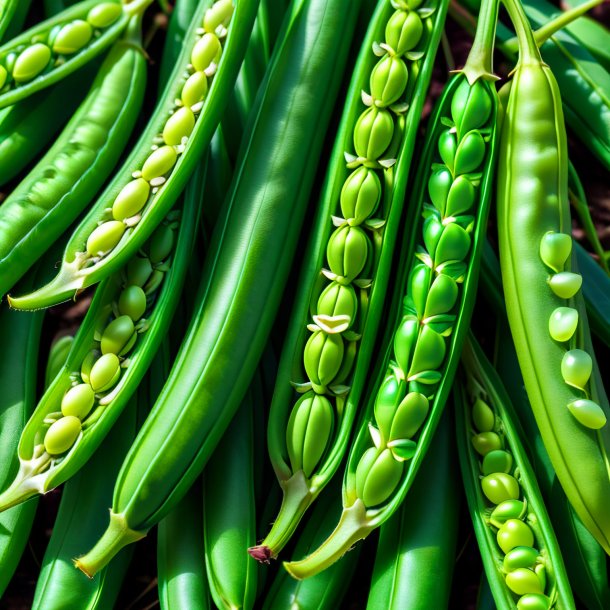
3, 75
540, 570
72, 37
500, 487
219, 14
132, 302
563, 323
453, 245
159, 163
405, 339
373, 133
555, 248
119, 336
484, 442
520, 557
338, 300
429, 352
139, 270
105, 14
461, 197
403, 31
483, 416
447, 147
78, 401
348, 251
161, 244
514, 533
470, 153
588, 413
442, 296
576, 368
105, 373
420, 281
87, 364
62, 434
131, 199
322, 358
381, 479
388, 80
360, 195
565, 284
523, 581
470, 106
533, 601
105, 237
180, 125
510, 509
410, 415
206, 51
31, 62
497, 461
387, 401
439, 184
195, 89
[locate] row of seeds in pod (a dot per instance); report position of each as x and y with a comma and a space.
523, 566
419, 348
126, 210
47, 51
102, 367
332, 348
576, 364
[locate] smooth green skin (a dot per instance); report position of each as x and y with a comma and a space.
18, 371
356, 521
480, 373
27, 482
299, 493
72, 62
417, 545
229, 514
27, 127
533, 129
12, 16
244, 275
326, 590
70, 279
78, 523
67, 178
181, 570
584, 558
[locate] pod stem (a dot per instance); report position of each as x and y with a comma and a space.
480, 59
296, 500
117, 535
136, 6
528, 49
543, 33
353, 525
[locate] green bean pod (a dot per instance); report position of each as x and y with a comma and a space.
18, 371
170, 146
417, 545
67, 178
417, 369
244, 275
545, 308
53, 49
521, 557
115, 344
229, 511
356, 227
324, 591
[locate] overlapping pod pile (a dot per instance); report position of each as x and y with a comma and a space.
340, 311
519, 549
71, 38
576, 364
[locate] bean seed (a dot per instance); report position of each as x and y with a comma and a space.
180, 125
119, 336
420, 281
470, 106
338, 300
105, 237
438, 188
132, 302
453, 245
3, 75
555, 248
485, 442
360, 195
389, 397
405, 339
588, 413
131, 199
347, 252
500, 487
410, 415
563, 323
388, 80
534, 601
461, 197
576, 368
447, 148
139, 270
159, 162
219, 14
206, 51
511, 509
523, 581
31, 62
497, 461
105, 373
565, 284
72, 37
322, 358
377, 478
442, 296
61, 435
161, 244
373, 133
104, 14
78, 401
470, 153
520, 557
403, 31
429, 352
514, 533
195, 89
483, 416
87, 364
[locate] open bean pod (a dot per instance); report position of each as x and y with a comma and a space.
116, 342
343, 284
149, 182
522, 559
